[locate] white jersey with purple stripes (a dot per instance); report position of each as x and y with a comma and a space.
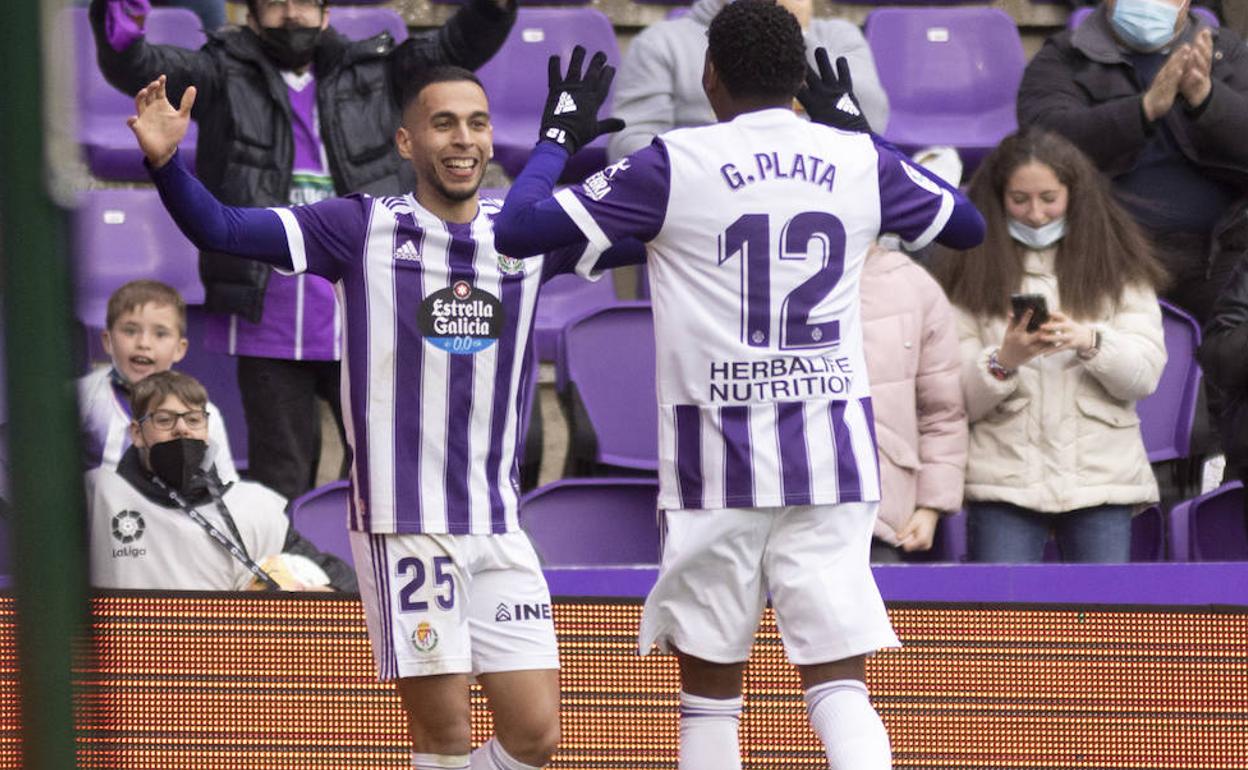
437, 334
756, 231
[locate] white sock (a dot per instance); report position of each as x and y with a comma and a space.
708, 733
439, 761
492, 756
853, 735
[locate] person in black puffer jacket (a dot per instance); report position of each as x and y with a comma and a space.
1224, 358
290, 112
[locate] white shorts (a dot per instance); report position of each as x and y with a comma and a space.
450, 604
719, 566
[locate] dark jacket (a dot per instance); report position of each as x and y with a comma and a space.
1224, 359
1081, 85
246, 149
341, 575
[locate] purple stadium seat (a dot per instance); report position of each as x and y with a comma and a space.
1148, 535
219, 374
563, 298
1078, 15
123, 235
515, 81
361, 23
1166, 416
951, 75
604, 371
599, 522
110, 149
321, 516
1210, 527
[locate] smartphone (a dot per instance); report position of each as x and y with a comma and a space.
1034, 302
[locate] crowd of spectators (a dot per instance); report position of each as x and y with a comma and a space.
1129, 181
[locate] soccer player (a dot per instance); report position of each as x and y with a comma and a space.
756, 231
438, 324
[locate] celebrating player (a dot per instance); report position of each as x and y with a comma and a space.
756, 231
437, 327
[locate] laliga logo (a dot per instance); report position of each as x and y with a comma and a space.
424, 638
128, 526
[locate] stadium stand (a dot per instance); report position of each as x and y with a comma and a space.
564, 298
604, 374
1210, 527
102, 110
121, 235
1166, 416
321, 516
516, 82
599, 522
364, 22
951, 75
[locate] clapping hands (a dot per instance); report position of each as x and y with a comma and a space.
1186, 73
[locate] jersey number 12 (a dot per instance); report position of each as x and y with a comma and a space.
750, 236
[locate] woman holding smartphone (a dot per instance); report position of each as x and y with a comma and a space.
1050, 390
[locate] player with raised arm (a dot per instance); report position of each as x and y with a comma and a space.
438, 324
756, 230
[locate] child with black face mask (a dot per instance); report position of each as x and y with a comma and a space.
164, 519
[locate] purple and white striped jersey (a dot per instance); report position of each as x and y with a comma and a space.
756, 233
437, 333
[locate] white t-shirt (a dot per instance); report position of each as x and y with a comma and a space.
136, 543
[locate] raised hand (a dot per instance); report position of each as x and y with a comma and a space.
828, 97
570, 117
157, 125
1161, 93
1196, 82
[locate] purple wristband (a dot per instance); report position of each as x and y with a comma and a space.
122, 27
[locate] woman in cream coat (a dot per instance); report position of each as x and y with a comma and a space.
1055, 444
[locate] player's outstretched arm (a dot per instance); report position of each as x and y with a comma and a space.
531, 222
255, 233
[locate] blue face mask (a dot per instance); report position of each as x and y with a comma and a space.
1037, 238
1145, 25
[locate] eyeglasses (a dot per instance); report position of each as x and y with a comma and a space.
165, 419
296, 3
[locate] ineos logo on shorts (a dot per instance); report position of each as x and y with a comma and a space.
506, 613
461, 319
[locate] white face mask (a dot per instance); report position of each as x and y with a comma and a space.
1041, 237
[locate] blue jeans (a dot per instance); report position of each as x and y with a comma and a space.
1000, 532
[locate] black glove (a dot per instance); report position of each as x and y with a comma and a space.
570, 117
829, 98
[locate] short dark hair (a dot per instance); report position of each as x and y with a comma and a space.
136, 294
152, 390
758, 50
415, 82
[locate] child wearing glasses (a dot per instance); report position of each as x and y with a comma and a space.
145, 332
164, 519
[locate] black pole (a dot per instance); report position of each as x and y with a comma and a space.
46, 478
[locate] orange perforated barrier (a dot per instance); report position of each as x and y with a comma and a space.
226, 683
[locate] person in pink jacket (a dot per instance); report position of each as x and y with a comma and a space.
914, 363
